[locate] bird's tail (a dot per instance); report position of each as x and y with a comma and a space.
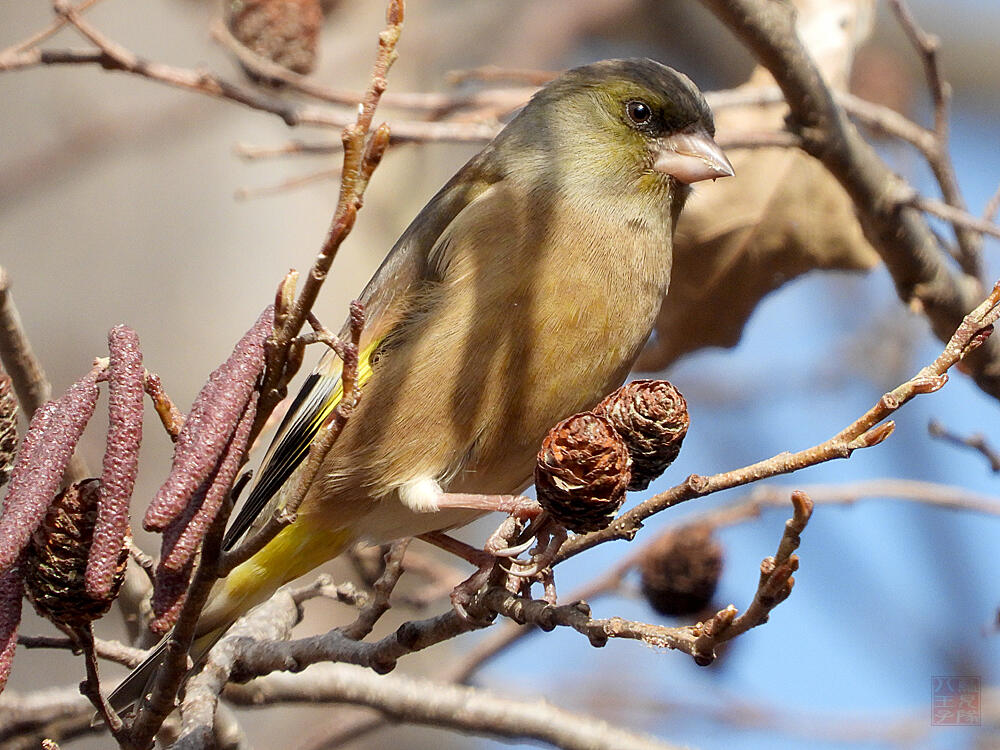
295, 551
139, 681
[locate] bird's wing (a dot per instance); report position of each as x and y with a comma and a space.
413, 259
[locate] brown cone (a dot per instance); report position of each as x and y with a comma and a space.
652, 418
57, 559
283, 31
582, 472
681, 569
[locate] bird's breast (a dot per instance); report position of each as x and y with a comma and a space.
526, 327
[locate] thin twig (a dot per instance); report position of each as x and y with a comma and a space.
160, 700
436, 104
493, 73
775, 585
91, 688
862, 433
26, 715
378, 605
247, 193
144, 561
363, 151
992, 207
503, 637
26, 373
957, 217
761, 496
977, 442
170, 416
318, 449
928, 45
251, 152
113, 651
40, 36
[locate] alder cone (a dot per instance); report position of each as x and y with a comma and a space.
681, 570
56, 563
8, 427
283, 31
652, 418
582, 472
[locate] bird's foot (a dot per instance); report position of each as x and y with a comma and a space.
526, 528
548, 538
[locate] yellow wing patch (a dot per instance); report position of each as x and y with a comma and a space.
337, 395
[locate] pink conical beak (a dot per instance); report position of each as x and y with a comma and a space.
692, 155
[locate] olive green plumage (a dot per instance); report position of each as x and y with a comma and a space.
521, 294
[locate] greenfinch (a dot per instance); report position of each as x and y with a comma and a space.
521, 294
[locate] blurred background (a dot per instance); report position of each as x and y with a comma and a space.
117, 204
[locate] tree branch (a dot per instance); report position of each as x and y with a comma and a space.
422, 701
862, 433
898, 231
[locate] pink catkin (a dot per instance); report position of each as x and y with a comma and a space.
11, 593
40, 469
210, 425
40, 421
168, 596
121, 459
183, 537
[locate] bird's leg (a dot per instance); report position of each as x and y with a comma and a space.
524, 508
524, 518
425, 496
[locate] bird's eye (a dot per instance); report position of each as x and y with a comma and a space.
638, 112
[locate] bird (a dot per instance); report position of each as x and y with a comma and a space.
521, 294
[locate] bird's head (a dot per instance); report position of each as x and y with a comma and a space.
623, 123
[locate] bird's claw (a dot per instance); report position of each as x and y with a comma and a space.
512, 551
464, 595
501, 551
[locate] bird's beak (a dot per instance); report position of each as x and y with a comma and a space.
692, 155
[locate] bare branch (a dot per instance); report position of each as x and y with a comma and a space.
862, 433
977, 442
318, 449
958, 217
775, 585
91, 688
899, 233
247, 193
438, 105
363, 151
378, 605
422, 701
109, 650
30, 383
40, 36
969, 243
24, 713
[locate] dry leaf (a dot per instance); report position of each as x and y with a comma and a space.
781, 216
